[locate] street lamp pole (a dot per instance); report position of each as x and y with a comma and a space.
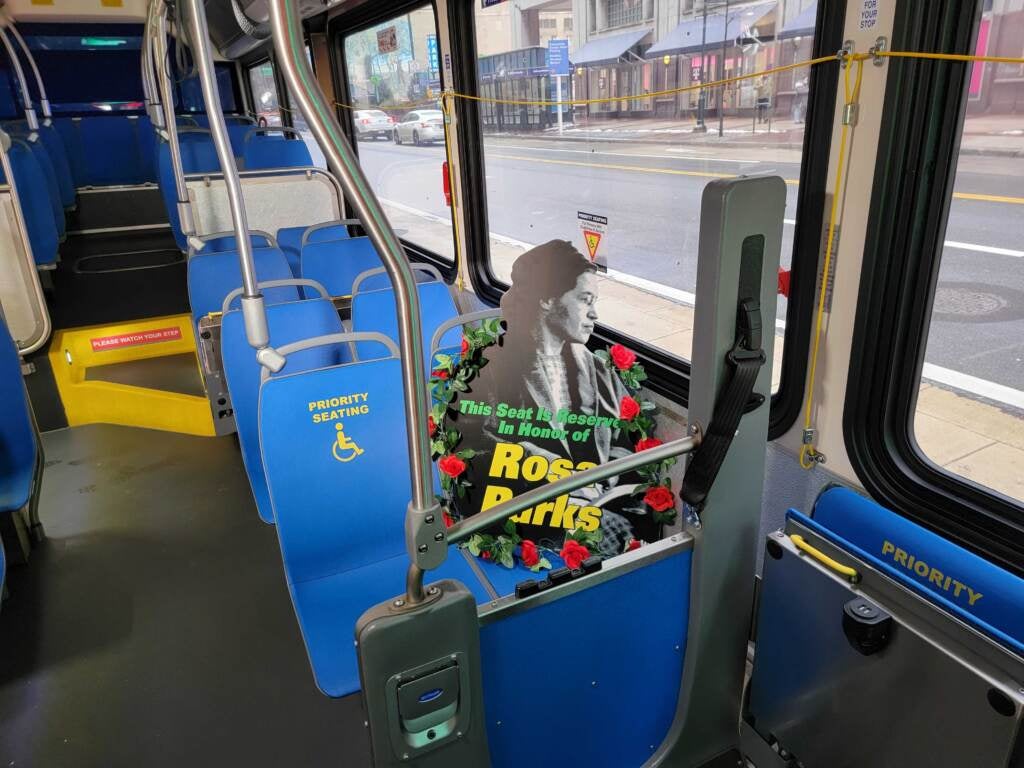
701, 96
721, 88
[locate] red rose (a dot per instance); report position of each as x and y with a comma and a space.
647, 442
622, 357
485, 555
465, 345
452, 466
528, 554
574, 553
659, 498
448, 522
432, 426
439, 374
632, 544
628, 408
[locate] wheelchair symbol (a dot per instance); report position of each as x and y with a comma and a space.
343, 449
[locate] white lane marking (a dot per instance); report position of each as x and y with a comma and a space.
624, 154
981, 387
990, 390
984, 249
964, 246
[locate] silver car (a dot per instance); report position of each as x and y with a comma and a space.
425, 126
372, 124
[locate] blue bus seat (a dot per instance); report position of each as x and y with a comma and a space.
198, 155
963, 583
34, 200
291, 239
288, 322
377, 279
59, 157
18, 448
337, 263
341, 515
261, 151
18, 131
375, 311
212, 276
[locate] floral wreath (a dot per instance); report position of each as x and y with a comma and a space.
452, 375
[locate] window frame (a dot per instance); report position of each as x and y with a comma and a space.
922, 122
668, 375
348, 23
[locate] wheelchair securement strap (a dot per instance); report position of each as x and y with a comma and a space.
745, 361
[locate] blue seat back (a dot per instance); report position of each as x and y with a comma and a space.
375, 311
333, 515
59, 157
970, 586
17, 436
34, 197
108, 150
288, 322
337, 263
261, 151
52, 187
212, 276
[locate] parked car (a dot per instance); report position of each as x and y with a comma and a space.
424, 126
373, 124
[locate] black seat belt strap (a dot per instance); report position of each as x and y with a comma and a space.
745, 361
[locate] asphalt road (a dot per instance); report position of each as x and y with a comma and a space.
651, 196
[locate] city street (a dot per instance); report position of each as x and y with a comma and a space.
651, 192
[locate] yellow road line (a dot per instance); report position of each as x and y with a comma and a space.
710, 175
988, 198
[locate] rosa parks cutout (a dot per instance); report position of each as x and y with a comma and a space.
544, 406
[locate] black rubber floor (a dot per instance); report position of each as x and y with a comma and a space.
154, 628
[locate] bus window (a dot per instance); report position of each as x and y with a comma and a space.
394, 85
969, 417
620, 172
266, 103
299, 123
92, 70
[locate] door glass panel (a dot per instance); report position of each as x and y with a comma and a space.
266, 103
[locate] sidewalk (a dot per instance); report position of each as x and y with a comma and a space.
995, 135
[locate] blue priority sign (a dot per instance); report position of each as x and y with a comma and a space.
558, 56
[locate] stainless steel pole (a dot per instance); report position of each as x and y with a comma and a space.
44, 102
323, 122
30, 113
163, 79
253, 311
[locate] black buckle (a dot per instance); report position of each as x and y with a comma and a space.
748, 323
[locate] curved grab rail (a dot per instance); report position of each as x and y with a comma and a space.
324, 225
322, 119
203, 239
335, 338
44, 102
226, 306
469, 317
253, 308
482, 520
429, 269
19, 72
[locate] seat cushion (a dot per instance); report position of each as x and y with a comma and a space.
328, 609
970, 586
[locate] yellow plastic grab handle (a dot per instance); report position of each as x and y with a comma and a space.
821, 557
